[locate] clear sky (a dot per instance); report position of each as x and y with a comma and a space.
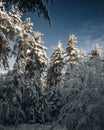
84, 18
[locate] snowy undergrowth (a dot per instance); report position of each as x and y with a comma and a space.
33, 127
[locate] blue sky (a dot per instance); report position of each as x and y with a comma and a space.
84, 18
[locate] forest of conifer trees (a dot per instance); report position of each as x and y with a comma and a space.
65, 89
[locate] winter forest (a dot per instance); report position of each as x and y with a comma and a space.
65, 90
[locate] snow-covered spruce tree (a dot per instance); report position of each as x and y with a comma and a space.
55, 82
11, 112
73, 59
84, 98
31, 60
37, 61
5, 25
11, 29
97, 51
54, 75
36, 57
8, 33
74, 56
72, 51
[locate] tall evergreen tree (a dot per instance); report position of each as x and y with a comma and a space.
31, 59
72, 51
5, 49
54, 82
97, 51
34, 56
56, 64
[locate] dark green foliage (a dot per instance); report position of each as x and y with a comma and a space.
26, 102
34, 105
55, 103
10, 104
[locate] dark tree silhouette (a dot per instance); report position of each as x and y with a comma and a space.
39, 6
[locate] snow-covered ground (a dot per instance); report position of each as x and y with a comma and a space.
32, 127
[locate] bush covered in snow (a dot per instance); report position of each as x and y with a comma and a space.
84, 97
